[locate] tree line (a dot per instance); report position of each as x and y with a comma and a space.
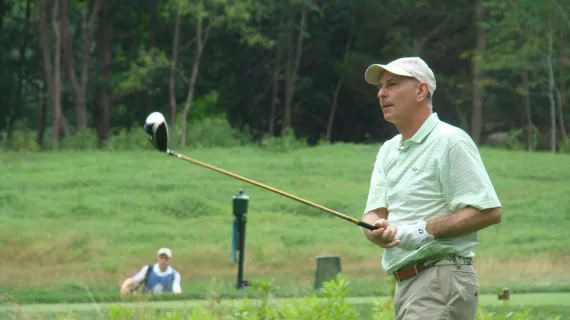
275, 68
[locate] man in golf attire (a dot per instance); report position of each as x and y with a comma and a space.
161, 278
429, 195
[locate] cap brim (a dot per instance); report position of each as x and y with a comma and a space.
164, 252
375, 71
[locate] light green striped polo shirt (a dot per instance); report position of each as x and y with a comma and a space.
435, 173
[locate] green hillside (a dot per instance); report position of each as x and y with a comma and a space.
77, 220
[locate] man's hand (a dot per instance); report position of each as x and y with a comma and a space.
384, 236
125, 287
413, 236
125, 291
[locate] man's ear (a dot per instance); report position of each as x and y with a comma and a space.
422, 91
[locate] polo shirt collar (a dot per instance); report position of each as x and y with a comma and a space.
424, 130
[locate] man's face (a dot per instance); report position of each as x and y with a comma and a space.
163, 261
397, 97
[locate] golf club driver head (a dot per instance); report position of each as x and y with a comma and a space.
157, 131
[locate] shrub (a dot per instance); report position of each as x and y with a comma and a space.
213, 132
134, 139
285, 143
329, 303
22, 140
565, 146
84, 139
513, 141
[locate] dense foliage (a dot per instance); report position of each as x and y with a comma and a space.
292, 67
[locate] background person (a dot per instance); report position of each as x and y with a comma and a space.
157, 278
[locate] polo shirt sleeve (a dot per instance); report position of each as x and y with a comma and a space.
377, 191
139, 276
465, 181
176, 288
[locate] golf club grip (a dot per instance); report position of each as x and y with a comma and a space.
366, 225
290, 196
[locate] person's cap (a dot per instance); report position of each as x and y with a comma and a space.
413, 67
165, 251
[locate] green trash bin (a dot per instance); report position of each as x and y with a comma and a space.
328, 267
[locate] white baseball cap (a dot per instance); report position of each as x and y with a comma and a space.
413, 67
165, 251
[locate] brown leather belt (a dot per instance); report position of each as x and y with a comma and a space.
413, 270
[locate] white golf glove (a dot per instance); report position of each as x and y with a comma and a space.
413, 236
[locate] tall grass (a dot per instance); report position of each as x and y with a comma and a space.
331, 302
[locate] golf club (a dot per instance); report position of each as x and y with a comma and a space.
156, 130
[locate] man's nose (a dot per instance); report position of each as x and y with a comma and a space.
381, 93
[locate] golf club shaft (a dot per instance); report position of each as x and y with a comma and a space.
290, 196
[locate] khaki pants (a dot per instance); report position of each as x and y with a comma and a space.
448, 292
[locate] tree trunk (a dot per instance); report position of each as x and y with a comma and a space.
189, 99
89, 27
172, 84
154, 44
551, 90
418, 44
21, 73
69, 57
478, 76
2, 15
561, 87
149, 98
275, 91
333, 110
288, 71
202, 38
104, 55
43, 114
10, 127
45, 48
276, 74
562, 129
334, 103
52, 70
65, 127
527, 110
79, 87
57, 77
292, 77
3, 9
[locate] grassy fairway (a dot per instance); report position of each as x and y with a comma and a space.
72, 221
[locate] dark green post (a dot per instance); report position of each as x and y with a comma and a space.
328, 268
240, 202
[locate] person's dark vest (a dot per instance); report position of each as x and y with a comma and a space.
159, 284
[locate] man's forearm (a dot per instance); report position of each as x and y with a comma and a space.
462, 222
372, 216
127, 283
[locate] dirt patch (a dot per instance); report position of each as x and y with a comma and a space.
538, 271
48, 250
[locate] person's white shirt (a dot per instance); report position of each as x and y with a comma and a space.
175, 285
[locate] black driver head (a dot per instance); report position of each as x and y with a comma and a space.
157, 131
